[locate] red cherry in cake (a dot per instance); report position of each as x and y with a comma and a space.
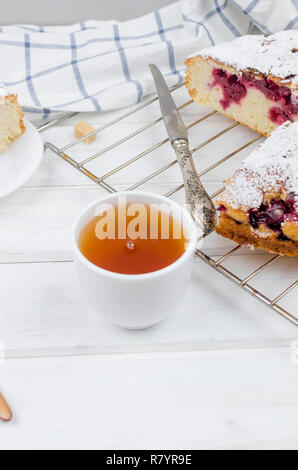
222, 208
235, 88
273, 215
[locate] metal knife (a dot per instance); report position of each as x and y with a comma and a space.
201, 206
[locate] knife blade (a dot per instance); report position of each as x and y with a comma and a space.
174, 124
201, 206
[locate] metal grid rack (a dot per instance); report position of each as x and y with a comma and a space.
272, 303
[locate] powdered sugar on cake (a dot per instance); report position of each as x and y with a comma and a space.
273, 55
271, 167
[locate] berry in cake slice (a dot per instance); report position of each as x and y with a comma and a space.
253, 79
11, 119
260, 204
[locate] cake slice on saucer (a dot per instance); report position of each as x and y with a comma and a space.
11, 119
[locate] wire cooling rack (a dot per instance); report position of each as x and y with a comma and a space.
214, 261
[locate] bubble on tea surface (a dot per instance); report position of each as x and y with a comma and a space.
130, 246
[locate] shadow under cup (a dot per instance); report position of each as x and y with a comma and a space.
135, 301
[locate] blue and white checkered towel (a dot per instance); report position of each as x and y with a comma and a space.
98, 65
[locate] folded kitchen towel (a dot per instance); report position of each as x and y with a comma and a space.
102, 65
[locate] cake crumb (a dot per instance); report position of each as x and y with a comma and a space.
83, 129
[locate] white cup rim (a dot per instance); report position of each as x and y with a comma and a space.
135, 277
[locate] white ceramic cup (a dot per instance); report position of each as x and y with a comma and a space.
142, 300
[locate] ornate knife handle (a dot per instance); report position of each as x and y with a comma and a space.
201, 206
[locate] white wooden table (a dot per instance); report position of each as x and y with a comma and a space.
218, 374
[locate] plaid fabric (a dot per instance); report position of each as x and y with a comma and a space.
96, 66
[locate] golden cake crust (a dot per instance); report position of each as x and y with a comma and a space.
16, 126
14, 99
243, 234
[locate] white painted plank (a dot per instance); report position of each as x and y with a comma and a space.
42, 313
239, 400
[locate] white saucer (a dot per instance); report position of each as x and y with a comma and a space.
20, 161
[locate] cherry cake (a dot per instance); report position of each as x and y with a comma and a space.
253, 79
260, 204
11, 119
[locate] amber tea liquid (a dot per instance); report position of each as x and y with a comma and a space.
160, 240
